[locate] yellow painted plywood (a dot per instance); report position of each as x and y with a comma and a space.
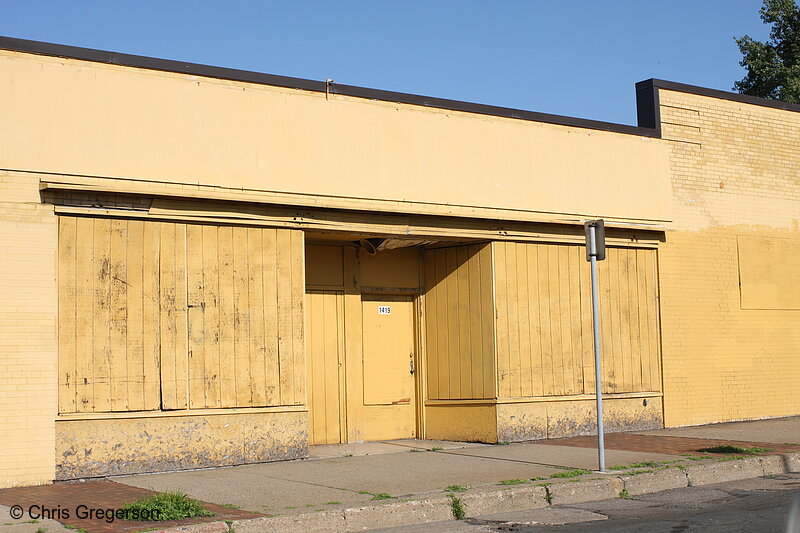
459, 322
769, 273
545, 343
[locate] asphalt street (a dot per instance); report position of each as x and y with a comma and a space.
753, 505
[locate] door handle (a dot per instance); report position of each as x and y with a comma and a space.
411, 363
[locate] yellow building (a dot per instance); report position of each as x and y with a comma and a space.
203, 266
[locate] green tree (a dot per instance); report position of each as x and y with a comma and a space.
773, 67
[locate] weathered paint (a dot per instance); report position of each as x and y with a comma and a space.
158, 315
469, 423
97, 120
728, 268
102, 447
574, 417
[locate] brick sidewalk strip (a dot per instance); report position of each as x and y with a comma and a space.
637, 442
103, 494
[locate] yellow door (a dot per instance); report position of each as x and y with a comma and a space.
388, 367
325, 341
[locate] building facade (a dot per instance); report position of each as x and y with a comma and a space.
204, 266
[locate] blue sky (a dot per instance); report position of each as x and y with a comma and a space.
578, 58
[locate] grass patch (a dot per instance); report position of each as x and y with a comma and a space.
437, 449
571, 473
382, 496
624, 494
513, 482
456, 488
457, 507
333, 503
538, 478
698, 457
643, 464
414, 450
229, 506
729, 448
503, 443
543, 484
790, 444
170, 505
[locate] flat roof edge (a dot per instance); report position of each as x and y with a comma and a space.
196, 69
654, 83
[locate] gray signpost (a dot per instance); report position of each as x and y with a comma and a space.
596, 251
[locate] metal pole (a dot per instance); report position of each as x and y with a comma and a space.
601, 448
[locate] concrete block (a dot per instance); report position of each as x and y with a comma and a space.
791, 462
503, 500
670, 478
721, 472
584, 491
772, 464
398, 514
322, 522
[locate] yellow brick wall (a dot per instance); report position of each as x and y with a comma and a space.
735, 172
27, 333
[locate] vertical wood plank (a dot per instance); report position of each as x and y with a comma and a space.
151, 337
101, 318
625, 319
537, 368
565, 315
259, 337
462, 317
135, 306
587, 328
576, 349
227, 362
271, 279
454, 360
211, 324
606, 323
554, 288
84, 323
67, 319
118, 324
548, 364
297, 303
181, 313
432, 287
241, 320
653, 321
196, 317
167, 309
490, 385
504, 361
634, 311
285, 326
474, 329
443, 337
523, 320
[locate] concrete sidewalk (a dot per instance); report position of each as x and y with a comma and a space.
416, 480
354, 473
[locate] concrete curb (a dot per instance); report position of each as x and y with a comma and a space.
432, 507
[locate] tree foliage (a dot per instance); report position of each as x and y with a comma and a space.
773, 67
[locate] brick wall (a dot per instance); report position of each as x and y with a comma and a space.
735, 172
27, 333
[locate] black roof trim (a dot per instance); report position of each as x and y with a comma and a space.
654, 83
128, 60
